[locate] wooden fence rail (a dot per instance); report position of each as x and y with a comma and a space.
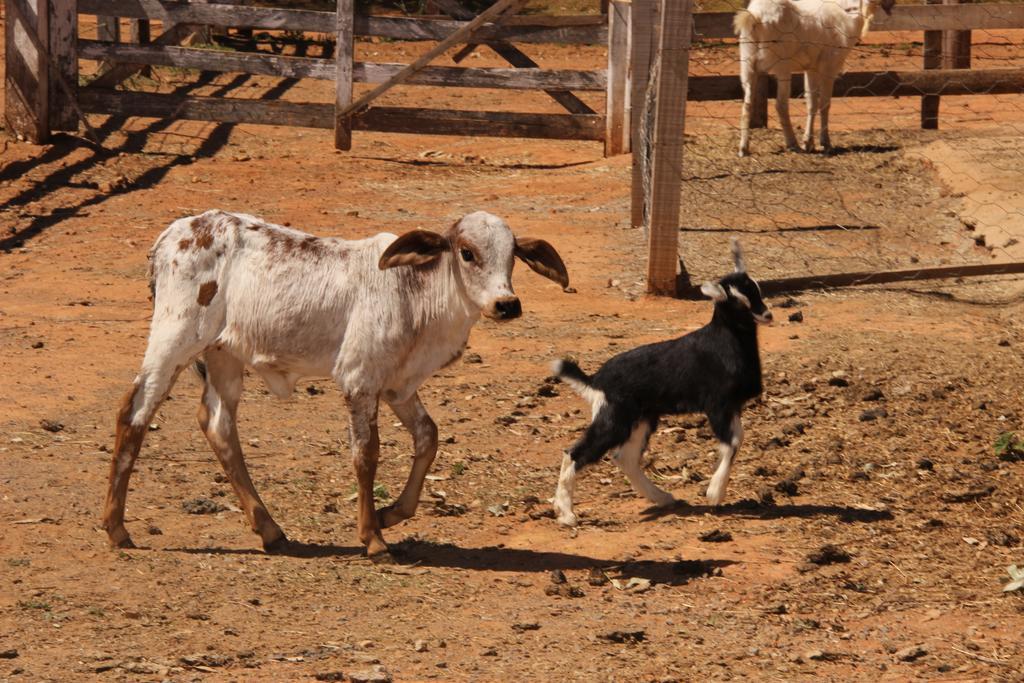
524, 29
324, 69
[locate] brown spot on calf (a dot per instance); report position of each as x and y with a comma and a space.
207, 291
202, 228
184, 244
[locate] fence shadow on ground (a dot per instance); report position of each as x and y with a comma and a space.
135, 141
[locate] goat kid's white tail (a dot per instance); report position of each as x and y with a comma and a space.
572, 375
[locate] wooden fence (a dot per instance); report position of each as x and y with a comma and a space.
946, 71
43, 49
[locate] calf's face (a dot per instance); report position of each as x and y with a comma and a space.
483, 250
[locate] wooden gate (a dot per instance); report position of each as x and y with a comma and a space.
43, 49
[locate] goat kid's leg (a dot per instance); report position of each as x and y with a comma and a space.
604, 433
628, 459
812, 93
414, 418
217, 419
730, 437
159, 371
785, 82
365, 452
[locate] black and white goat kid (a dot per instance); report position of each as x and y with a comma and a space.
713, 370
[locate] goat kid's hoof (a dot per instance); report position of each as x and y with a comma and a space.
278, 546
568, 519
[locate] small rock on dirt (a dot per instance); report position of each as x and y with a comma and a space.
874, 395
1002, 538
420, 646
547, 390
377, 674
789, 303
828, 554
839, 381
633, 636
597, 577
37, 345
522, 626
9, 654
51, 425
558, 577
716, 536
925, 464
822, 656
331, 676
154, 530
202, 506
873, 414
910, 654
787, 486
797, 317
472, 358
564, 590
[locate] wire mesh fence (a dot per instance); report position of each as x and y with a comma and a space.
889, 195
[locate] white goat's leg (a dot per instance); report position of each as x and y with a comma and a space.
727, 448
218, 419
565, 492
414, 418
365, 452
785, 82
628, 459
825, 103
812, 93
748, 77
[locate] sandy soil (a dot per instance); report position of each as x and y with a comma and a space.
876, 433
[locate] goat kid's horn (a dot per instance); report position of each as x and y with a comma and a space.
737, 256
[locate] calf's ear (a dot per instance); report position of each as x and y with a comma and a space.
542, 259
414, 248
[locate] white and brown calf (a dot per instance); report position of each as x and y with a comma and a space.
378, 315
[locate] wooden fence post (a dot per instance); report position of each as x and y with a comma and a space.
932, 60
641, 49
956, 45
673, 58
343, 75
64, 53
27, 79
617, 108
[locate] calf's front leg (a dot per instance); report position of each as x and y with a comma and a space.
414, 418
365, 451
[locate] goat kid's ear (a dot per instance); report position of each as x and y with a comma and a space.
737, 256
414, 248
714, 291
542, 259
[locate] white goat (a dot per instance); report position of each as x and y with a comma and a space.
779, 37
378, 315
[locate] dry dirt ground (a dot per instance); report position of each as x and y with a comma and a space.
876, 433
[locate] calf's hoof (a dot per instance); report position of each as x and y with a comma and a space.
390, 516
279, 546
663, 500
119, 538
